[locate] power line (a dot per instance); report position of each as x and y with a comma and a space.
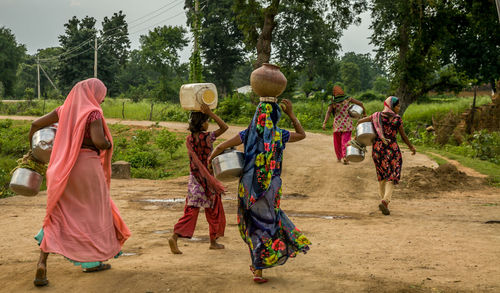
77, 47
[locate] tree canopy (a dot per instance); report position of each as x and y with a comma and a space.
11, 54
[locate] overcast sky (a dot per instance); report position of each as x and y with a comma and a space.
38, 23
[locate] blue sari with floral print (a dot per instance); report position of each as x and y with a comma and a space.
271, 237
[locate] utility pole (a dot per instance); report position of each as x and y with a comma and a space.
196, 23
498, 9
38, 75
95, 57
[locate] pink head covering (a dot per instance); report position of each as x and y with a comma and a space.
85, 97
389, 105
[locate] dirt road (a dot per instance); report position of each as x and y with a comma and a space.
433, 241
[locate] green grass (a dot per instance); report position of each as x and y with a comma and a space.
484, 167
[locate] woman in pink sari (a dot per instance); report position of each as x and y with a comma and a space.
81, 223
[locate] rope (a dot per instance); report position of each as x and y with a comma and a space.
29, 162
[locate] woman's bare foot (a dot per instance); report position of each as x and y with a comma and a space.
346, 162
172, 242
215, 245
41, 271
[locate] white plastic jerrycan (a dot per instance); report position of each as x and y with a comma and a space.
193, 95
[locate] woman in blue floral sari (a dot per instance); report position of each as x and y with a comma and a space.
271, 237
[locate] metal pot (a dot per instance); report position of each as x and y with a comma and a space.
365, 134
353, 154
228, 165
42, 143
25, 182
355, 111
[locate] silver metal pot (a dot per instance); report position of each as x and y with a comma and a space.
355, 111
42, 143
353, 154
365, 134
25, 182
228, 165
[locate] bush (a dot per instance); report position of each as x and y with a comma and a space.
168, 142
371, 96
486, 146
142, 159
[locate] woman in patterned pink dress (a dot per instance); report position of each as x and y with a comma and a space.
204, 191
342, 122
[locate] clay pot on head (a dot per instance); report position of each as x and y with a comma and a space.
268, 80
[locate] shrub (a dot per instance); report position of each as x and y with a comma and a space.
168, 142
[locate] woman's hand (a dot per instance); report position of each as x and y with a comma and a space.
286, 105
205, 109
413, 150
324, 126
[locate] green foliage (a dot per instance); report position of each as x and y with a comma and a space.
236, 108
168, 142
13, 145
160, 50
76, 67
368, 68
486, 146
370, 96
113, 50
11, 54
381, 85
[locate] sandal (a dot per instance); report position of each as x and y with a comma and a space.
101, 267
257, 279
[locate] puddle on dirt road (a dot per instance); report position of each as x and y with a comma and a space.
157, 203
199, 239
326, 217
168, 200
129, 254
162, 232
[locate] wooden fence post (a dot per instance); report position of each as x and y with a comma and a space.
151, 112
123, 110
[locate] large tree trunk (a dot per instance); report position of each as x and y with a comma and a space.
404, 93
266, 35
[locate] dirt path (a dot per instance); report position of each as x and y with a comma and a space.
432, 242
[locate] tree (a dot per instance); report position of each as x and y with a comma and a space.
350, 75
113, 50
473, 40
77, 43
301, 47
368, 68
258, 19
159, 49
408, 36
11, 54
220, 41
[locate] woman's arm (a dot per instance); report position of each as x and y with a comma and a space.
406, 140
365, 119
299, 133
327, 116
359, 103
97, 135
222, 125
235, 141
42, 122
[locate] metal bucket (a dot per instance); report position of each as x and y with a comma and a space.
42, 143
353, 154
228, 165
25, 182
365, 134
355, 111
